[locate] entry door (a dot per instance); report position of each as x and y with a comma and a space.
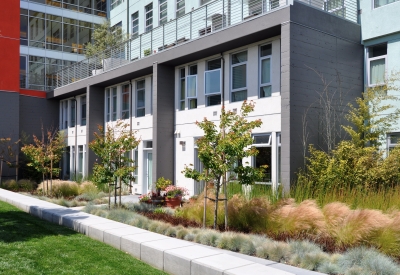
148, 180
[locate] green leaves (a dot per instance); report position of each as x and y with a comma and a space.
112, 147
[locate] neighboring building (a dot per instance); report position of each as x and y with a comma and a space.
38, 38
381, 39
176, 71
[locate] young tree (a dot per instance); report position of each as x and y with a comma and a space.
44, 153
104, 36
223, 146
111, 147
373, 116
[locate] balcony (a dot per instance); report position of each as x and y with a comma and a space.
210, 18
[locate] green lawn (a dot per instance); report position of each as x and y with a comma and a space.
29, 245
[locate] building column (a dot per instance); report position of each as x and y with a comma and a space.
94, 117
163, 121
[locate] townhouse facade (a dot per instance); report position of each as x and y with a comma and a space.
178, 67
381, 39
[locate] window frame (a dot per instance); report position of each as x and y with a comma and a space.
263, 145
369, 59
114, 103
178, 10
220, 83
232, 91
182, 101
374, 7
135, 23
191, 98
261, 58
144, 97
125, 92
160, 17
149, 27
108, 105
83, 111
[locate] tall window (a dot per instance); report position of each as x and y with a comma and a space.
182, 85
264, 156
239, 77
180, 8
114, 104
265, 70
148, 10
212, 82
108, 105
83, 110
192, 87
163, 12
64, 114
377, 64
125, 102
72, 113
380, 3
81, 153
140, 100
135, 24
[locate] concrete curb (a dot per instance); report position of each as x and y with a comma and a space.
172, 255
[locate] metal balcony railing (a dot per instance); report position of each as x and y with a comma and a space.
209, 18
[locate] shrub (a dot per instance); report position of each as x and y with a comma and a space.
61, 188
10, 185
26, 185
181, 234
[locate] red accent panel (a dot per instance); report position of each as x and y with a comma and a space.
33, 93
9, 45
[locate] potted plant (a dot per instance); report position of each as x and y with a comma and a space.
145, 198
161, 184
174, 195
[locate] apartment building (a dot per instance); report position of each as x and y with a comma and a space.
38, 38
184, 58
381, 39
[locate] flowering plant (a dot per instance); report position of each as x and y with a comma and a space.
173, 191
145, 197
162, 183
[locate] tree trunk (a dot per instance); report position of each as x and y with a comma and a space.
109, 197
216, 203
225, 202
1, 171
51, 175
115, 192
120, 190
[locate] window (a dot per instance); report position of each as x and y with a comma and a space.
64, 115
180, 8
263, 144
83, 110
115, 3
239, 77
140, 100
393, 140
114, 104
192, 87
163, 12
136, 163
182, 89
108, 105
265, 70
125, 102
212, 82
377, 64
278, 138
72, 113
198, 165
336, 7
135, 24
148, 10
380, 3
